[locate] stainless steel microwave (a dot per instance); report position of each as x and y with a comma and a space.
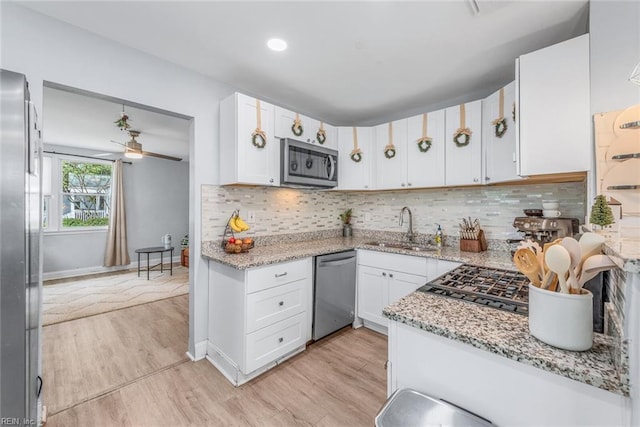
306, 165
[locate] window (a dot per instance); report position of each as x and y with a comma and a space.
77, 194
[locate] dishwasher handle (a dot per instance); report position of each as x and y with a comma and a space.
336, 262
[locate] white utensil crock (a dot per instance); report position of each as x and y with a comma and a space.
561, 320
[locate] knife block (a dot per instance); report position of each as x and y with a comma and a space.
476, 245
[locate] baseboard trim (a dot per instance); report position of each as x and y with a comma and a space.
63, 274
200, 351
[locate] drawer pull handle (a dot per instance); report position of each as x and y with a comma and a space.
281, 303
391, 275
280, 339
281, 275
384, 274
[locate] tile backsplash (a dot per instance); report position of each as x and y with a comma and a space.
285, 210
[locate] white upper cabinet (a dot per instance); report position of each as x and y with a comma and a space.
499, 151
245, 158
464, 159
307, 131
554, 110
354, 175
391, 155
425, 163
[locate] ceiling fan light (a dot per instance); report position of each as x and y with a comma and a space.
133, 154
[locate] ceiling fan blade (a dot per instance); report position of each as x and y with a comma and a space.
119, 143
161, 156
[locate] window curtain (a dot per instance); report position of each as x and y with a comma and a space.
116, 252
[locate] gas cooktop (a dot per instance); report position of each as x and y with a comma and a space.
502, 289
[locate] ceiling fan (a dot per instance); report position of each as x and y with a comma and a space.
133, 149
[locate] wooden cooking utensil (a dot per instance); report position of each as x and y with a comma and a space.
527, 263
573, 247
594, 265
559, 262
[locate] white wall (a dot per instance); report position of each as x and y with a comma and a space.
614, 28
48, 50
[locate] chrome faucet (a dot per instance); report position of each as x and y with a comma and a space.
410, 236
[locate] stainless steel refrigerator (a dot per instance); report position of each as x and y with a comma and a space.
20, 262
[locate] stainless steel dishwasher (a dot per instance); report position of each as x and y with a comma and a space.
334, 292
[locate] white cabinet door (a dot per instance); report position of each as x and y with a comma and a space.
464, 164
372, 294
499, 152
426, 169
355, 175
241, 162
284, 121
554, 110
391, 173
402, 284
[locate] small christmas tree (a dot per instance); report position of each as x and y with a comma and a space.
601, 212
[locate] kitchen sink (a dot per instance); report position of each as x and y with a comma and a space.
406, 246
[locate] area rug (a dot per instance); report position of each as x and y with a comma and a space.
93, 295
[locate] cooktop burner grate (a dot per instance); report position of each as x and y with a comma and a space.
502, 289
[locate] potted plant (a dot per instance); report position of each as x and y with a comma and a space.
345, 217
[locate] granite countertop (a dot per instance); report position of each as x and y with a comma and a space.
507, 334
281, 252
623, 247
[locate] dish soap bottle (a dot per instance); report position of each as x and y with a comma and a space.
439, 236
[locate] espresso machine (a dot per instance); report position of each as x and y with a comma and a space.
546, 230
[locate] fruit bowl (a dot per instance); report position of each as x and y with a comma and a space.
237, 247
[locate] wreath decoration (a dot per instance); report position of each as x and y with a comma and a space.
424, 144
500, 126
297, 127
462, 132
356, 155
389, 151
258, 138
321, 136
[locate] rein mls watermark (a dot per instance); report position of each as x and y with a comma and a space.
15, 421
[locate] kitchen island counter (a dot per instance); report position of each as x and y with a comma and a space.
281, 252
507, 334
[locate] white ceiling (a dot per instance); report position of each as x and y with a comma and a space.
348, 63
81, 121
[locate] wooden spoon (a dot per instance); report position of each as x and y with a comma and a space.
594, 265
559, 261
590, 244
573, 247
527, 263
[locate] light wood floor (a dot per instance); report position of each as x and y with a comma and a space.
128, 368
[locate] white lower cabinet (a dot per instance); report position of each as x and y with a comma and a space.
384, 278
502, 390
258, 316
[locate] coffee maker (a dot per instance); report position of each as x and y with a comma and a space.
546, 230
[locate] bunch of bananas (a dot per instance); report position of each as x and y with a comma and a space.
237, 224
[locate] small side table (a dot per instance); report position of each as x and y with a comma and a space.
153, 250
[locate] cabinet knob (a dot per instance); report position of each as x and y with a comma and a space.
271, 180
384, 274
281, 303
281, 274
366, 186
409, 184
402, 185
391, 275
280, 339
308, 139
475, 179
486, 178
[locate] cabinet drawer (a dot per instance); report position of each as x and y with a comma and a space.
270, 343
274, 304
404, 263
277, 274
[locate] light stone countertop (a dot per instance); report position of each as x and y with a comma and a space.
502, 333
507, 334
281, 252
623, 248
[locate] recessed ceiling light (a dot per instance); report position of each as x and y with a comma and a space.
277, 44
